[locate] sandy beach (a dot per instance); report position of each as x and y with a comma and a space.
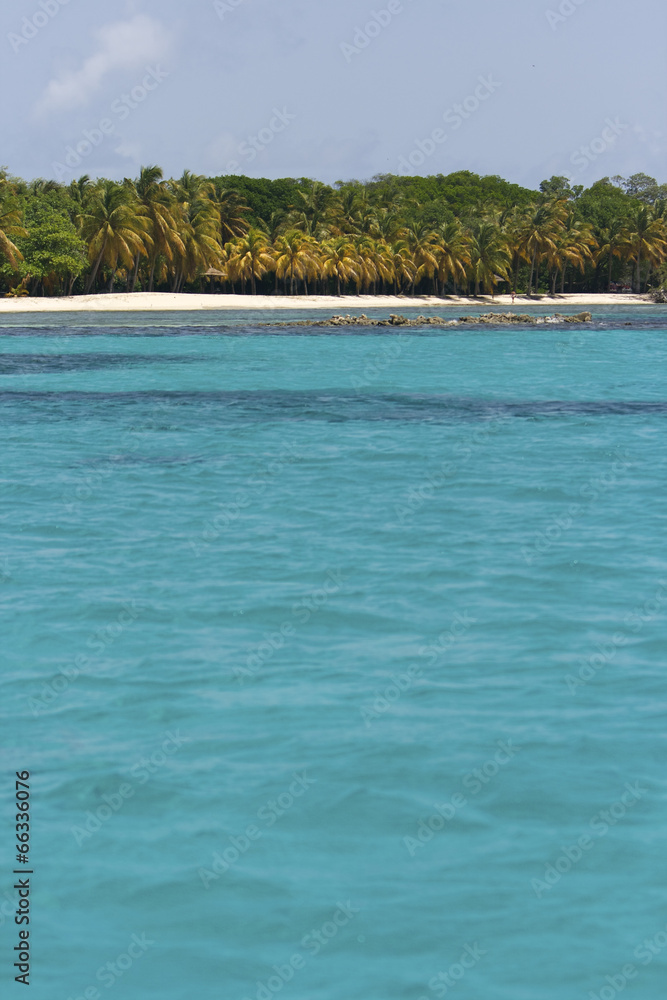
167, 302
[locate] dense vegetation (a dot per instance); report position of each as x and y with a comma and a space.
435, 235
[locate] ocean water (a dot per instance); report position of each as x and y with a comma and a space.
337, 658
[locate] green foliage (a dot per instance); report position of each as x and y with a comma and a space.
646, 189
604, 203
52, 251
463, 191
560, 187
417, 233
264, 196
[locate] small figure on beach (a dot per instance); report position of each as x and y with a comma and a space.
513, 296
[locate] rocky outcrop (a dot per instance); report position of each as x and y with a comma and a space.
487, 319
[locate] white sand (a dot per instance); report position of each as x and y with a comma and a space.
167, 302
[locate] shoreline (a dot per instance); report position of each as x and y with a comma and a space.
186, 302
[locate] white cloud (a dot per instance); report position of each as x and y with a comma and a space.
223, 149
130, 150
122, 45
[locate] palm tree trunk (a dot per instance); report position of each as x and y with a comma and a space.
532, 272
135, 273
152, 274
93, 274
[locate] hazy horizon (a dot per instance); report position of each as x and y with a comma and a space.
240, 86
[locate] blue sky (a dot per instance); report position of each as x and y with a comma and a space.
289, 88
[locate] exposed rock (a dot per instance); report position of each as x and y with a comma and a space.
487, 319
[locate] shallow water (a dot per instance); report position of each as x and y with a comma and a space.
379, 562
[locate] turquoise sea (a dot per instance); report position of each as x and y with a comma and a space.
337, 659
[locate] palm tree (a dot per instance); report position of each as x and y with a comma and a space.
573, 246
422, 242
198, 229
388, 225
367, 262
152, 193
231, 208
79, 190
452, 253
610, 245
338, 260
644, 238
513, 224
10, 225
349, 209
312, 212
198, 225
489, 256
295, 257
115, 227
250, 257
384, 264
402, 265
538, 234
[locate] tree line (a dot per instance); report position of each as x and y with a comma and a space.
455, 234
